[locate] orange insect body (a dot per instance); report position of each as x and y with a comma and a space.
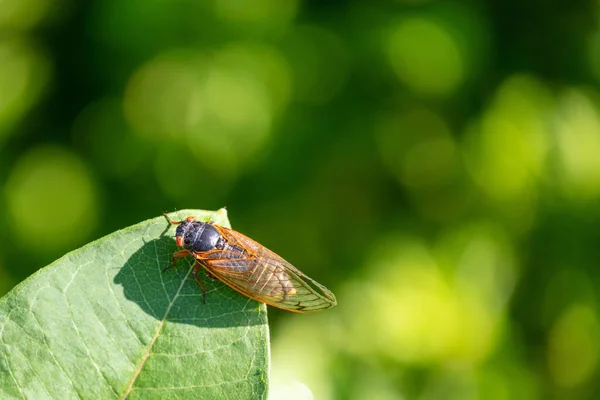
248, 267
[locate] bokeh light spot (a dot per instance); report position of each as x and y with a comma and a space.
507, 152
164, 97
306, 364
577, 127
21, 15
291, 391
69, 209
237, 122
222, 106
410, 295
263, 63
426, 57
24, 73
261, 15
417, 148
482, 260
241, 102
573, 347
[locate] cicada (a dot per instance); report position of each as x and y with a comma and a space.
248, 267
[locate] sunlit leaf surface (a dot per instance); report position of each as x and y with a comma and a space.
104, 322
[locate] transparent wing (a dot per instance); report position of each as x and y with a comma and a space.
257, 272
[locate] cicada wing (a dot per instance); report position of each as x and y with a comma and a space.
273, 283
259, 273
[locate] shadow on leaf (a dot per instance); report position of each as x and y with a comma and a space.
174, 295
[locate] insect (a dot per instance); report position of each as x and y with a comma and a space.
247, 267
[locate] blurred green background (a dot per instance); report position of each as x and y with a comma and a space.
436, 164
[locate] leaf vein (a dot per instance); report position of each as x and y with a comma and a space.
154, 337
8, 366
27, 360
98, 369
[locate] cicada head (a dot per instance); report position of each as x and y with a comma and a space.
180, 233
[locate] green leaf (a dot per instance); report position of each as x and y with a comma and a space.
104, 322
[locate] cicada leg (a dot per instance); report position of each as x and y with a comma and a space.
170, 220
177, 255
195, 274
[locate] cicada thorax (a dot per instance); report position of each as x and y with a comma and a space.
199, 237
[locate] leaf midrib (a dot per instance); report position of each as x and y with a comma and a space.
138, 369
